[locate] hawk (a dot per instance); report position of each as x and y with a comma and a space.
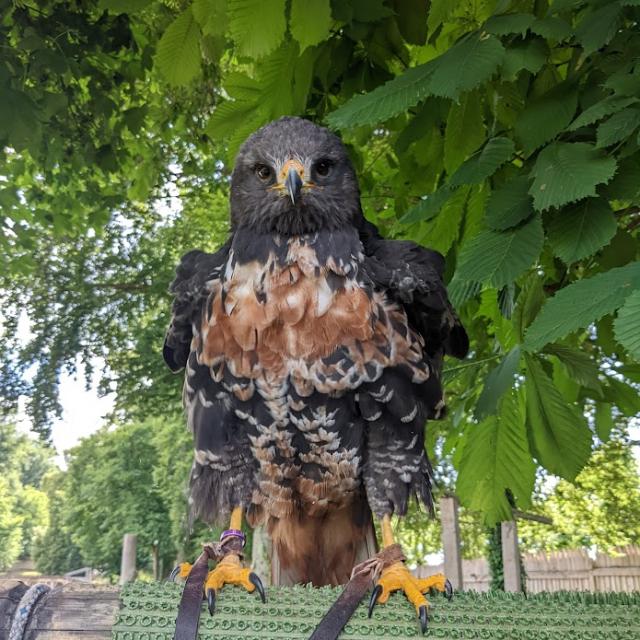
312, 349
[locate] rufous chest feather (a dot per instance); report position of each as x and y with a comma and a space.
269, 312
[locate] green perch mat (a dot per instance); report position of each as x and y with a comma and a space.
148, 612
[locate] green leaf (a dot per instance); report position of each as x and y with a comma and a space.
509, 23
530, 300
386, 101
509, 204
310, 21
580, 366
543, 119
257, 27
444, 230
412, 20
467, 64
624, 396
484, 163
597, 28
178, 52
123, 6
465, 130
565, 172
627, 325
498, 258
212, 16
582, 303
558, 433
552, 28
529, 54
428, 207
604, 420
618, 127
497, 382
461, 68
597, 111
496, 459
582, 229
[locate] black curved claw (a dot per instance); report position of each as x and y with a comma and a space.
423, 617
174, 573
448, 590
255, 580
211, 600
375, 594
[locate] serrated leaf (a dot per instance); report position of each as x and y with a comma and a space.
462, 290
582, 303
565, 172
598, 27
444, 230
624, 396
257, 27
428, 207
123, 6
497, 382
552, 28
461, 68
580, 366
509, 204
212, 16
386, 101
484, 163
310, 21
582, 229
467, 64
465, 130
529, 54
604, 420
496, 459
178, 52
544, 118
498, 258
618, 127
597, 111
509, 23
558, 433
530, 300
627, 325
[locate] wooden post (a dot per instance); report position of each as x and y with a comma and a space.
155, 560
451, 540
128, 564
511, 556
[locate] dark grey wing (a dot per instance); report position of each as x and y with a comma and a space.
414, 276
196, 268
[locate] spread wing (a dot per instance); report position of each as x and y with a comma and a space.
189, 290
414, 276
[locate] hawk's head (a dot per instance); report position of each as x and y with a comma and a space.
293, 177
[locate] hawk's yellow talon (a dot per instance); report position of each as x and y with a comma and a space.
229, 571
397, 577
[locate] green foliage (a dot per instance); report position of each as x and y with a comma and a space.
23, 505
505, 135
601, 508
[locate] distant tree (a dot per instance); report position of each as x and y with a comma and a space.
601, 509
110, 490
54, 551
10, 525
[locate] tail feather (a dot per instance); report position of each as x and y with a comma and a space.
321, 550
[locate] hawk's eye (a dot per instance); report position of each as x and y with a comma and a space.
323, 167
263, 172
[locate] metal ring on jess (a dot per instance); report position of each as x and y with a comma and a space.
233, 533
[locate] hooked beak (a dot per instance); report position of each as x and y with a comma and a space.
293, 184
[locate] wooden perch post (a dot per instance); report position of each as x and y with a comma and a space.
511, 556
128, 564
451, 540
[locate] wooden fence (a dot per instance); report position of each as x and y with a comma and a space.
571, 570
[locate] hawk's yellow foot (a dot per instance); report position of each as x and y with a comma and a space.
397, 577
230, 571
